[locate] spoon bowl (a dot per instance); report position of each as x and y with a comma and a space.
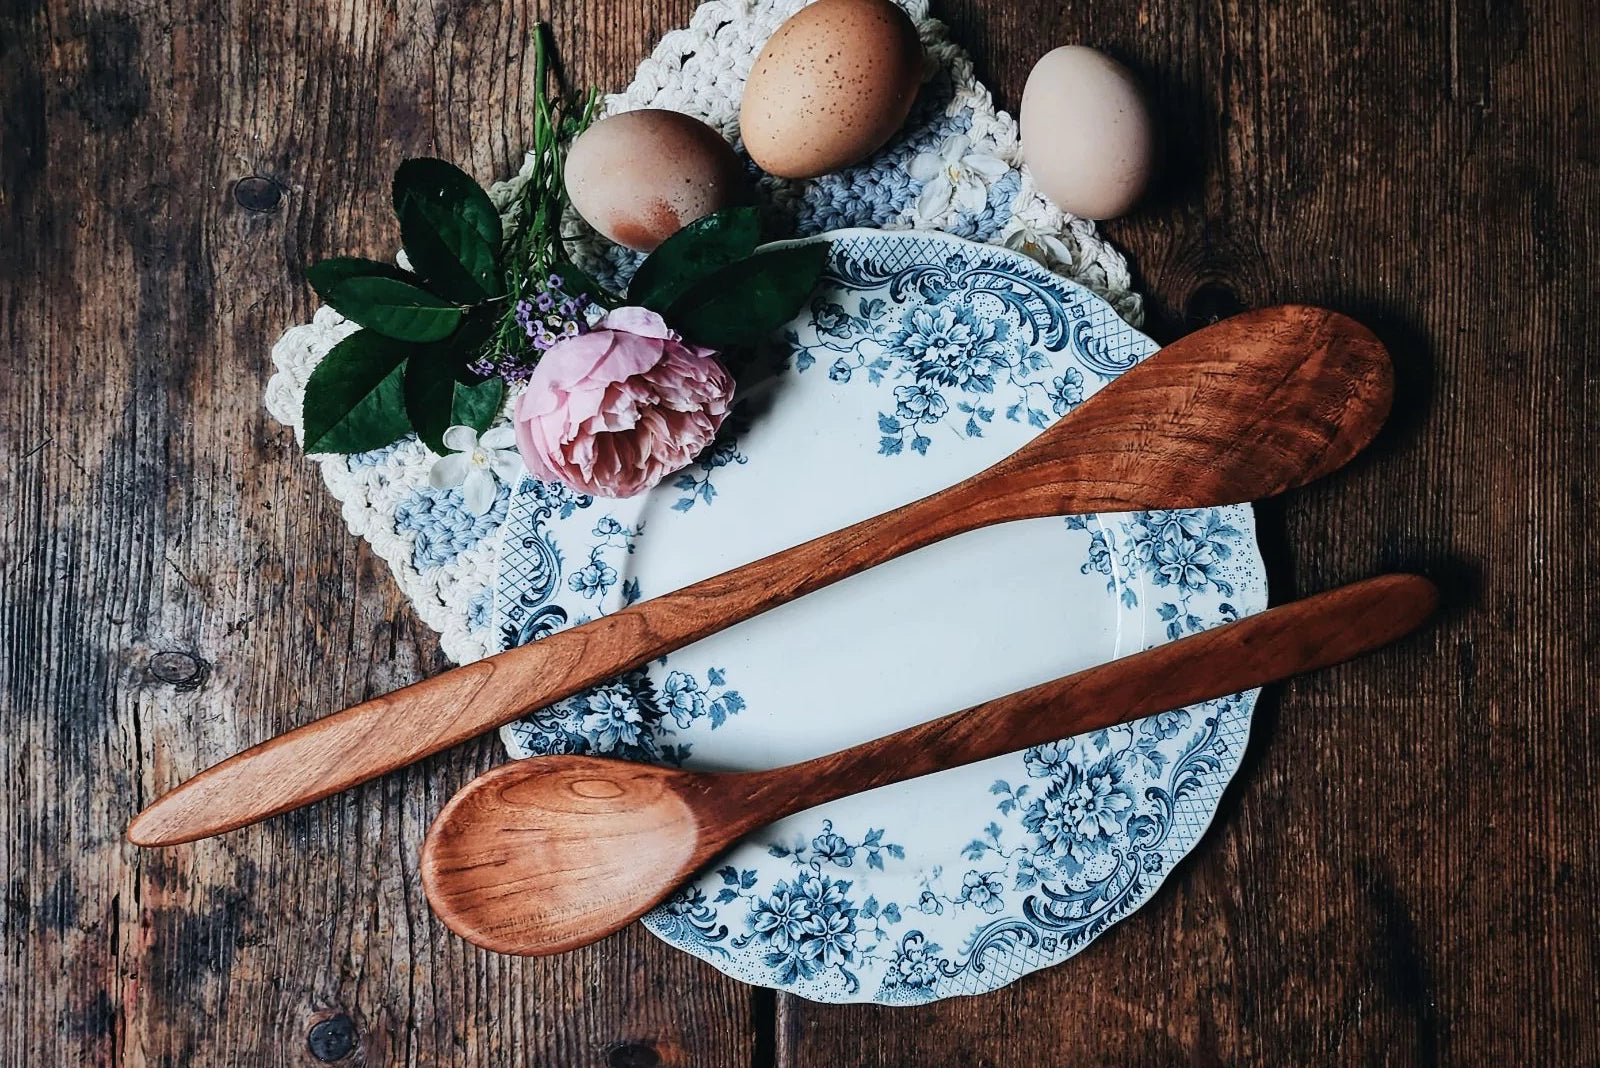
579, 822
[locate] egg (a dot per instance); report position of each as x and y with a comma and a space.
639, 177
832, 85
1087, 135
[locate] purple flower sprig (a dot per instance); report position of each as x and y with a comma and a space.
545, 316
553, 314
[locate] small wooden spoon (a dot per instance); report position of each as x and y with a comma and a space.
551, 853
1244, 409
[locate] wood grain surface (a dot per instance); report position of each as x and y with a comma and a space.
1406, 871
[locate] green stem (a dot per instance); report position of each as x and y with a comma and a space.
536, 249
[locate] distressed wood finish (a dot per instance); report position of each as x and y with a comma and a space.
1408, 870
176, 581
1244, 409
549, 854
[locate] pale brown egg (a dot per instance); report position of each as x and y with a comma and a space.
641, 176
1087, 135
832, 85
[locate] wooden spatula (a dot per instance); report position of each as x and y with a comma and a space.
1241, 410
551, 853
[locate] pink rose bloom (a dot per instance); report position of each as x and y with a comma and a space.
614, 411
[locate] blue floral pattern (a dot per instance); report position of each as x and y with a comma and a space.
529, 553
634, 716
956, 342
1182, 550
940, 348
696, 481
631, 717
811, 924
596, 577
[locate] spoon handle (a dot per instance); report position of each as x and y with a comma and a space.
364, 741
1313, 633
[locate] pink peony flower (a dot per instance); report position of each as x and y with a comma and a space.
614, 411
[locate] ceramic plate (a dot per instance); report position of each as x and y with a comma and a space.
921, 360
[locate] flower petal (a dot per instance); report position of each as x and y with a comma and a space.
571, 361
478, 491
615, 419
499, 437
506, 464
530, 439
987, 167
955, 147
924, 166
636, 320
935, 198
461, 439
971, 197
449, 471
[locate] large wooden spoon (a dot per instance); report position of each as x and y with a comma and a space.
551, 853
1241, 410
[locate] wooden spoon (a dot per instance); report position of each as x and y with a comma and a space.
551, 853
1241, 410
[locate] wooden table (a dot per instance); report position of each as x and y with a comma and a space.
1405, 870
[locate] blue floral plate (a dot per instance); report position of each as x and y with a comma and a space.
922, 360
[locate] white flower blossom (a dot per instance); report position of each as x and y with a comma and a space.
1038, 244
474, 464
955, 176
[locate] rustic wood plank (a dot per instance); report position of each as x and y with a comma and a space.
1406, 870
177, 583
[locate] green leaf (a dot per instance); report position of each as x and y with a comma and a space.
746, 300
354, 400
439, 390
326, 275
383, 298
439, 395
705, 245
450, 229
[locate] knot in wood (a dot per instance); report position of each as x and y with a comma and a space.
1210, 303
180, 669
332, 1039
632, 1055
257, 194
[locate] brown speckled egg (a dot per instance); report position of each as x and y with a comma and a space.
832, 85
1086, 133
641, 176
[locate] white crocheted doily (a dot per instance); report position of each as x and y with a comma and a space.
443, 556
